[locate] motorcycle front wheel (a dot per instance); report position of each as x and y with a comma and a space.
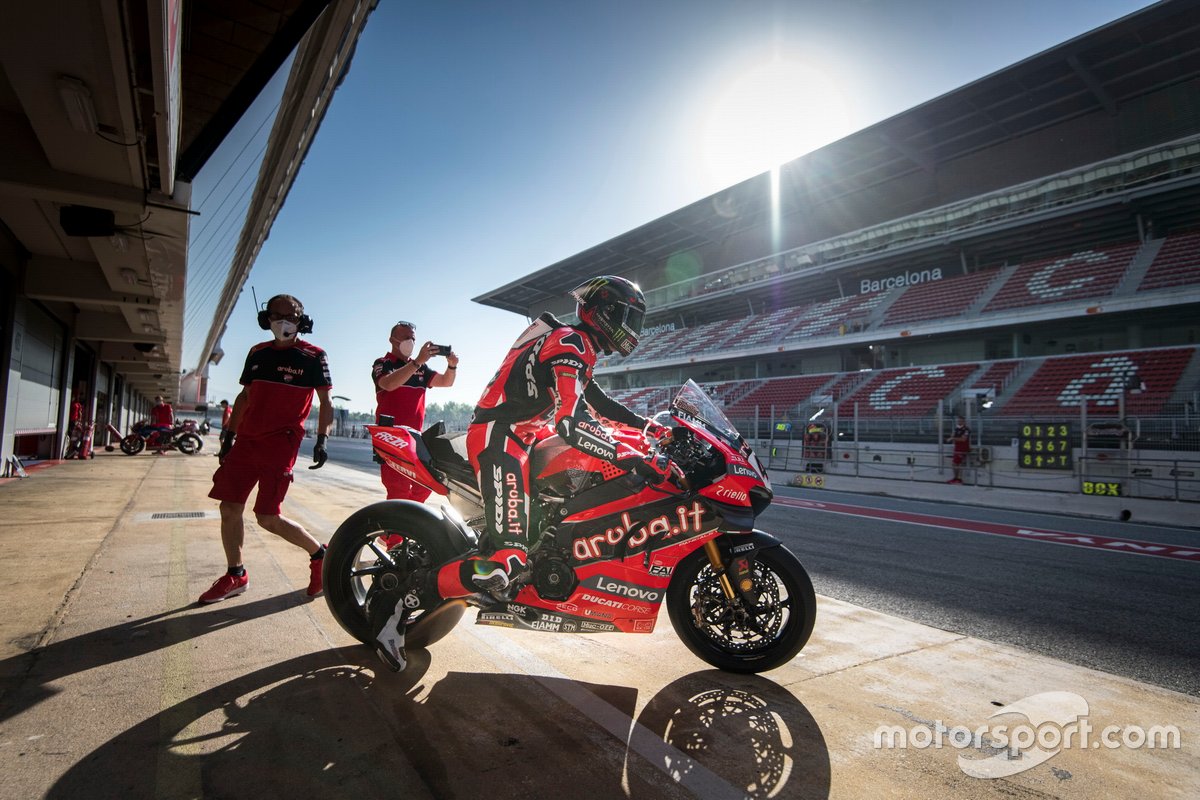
132, 444
731, 636
358, 559
189, 444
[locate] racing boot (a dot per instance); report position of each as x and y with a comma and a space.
486, 578
388, 613
489, 577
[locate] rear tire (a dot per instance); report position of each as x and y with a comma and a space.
719, 633
355, 558
132, 444
189, 444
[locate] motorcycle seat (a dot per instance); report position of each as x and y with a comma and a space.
441, 452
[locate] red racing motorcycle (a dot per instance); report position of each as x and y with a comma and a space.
183, 437
608, 548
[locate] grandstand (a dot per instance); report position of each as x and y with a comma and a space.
1030, 241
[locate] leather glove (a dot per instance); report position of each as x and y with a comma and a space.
226, 445
319, 454
655, 431
655, 472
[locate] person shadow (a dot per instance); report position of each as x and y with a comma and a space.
321, 725
26, 679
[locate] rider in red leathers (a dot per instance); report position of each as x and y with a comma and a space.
543, 387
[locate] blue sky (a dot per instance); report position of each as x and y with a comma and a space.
475, 142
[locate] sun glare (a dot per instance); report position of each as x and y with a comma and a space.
768, 115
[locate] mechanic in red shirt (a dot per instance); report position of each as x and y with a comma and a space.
226, 414
543, 387
279, 379
162, 415
162, 420
400, 383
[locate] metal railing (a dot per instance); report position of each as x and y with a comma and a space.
1113, 471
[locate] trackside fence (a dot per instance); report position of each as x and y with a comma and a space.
1153, 457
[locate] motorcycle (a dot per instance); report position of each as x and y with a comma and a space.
182, 437
79, 441
608, 548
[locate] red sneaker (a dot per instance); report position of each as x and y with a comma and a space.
314, 578
225, 586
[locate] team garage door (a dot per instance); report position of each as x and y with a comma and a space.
34, 381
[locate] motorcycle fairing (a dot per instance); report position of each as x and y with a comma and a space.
565, 470
610, 498
403, 450
610, 596
641, 524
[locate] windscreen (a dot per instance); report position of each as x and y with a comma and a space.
695, 402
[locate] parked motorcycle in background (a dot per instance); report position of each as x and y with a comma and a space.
183, 437
608, 549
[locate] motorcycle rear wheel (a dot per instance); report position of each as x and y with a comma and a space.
356, 557
189, 444
132, 444
718, 632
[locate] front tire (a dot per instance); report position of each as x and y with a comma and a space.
132, 444
356, 558
733, 638
189, 444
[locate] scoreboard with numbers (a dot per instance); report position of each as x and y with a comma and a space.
1044, 445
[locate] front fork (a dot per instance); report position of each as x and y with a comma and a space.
718, 565
737, 575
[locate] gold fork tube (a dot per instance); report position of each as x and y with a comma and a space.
714, 558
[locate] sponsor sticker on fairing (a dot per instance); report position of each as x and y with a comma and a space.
733, 495
684, 520
390, 438
633, 608
623, 589
596, 627
742, 471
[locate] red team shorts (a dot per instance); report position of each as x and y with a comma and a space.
263, 460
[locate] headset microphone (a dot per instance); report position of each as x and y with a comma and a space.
304, 325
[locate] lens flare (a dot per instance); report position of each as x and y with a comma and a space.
770, 114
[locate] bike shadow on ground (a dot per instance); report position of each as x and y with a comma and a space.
25, 678
325, 725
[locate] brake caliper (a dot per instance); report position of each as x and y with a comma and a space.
741, 575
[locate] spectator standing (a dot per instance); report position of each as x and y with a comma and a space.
962, 447
260, 444
226, 414
400, 382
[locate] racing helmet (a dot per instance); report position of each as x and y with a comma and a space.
613, 309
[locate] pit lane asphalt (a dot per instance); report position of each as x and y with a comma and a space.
1126, 614
116, 684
